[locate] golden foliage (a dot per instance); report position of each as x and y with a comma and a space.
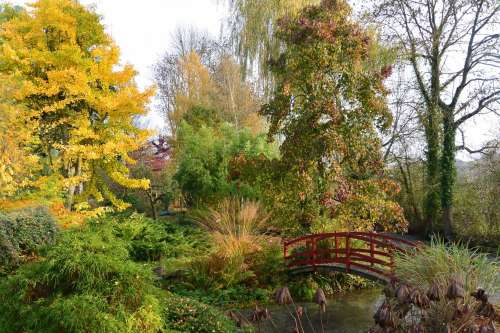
79, 104
222, 89
16, 162
197, 87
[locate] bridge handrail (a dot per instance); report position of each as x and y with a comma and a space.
350, 255
350, 234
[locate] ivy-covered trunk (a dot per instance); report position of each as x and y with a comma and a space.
448, 171
432, 125
432, 204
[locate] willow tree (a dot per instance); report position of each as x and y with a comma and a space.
452, 47
253, 27
80, 104
328, 102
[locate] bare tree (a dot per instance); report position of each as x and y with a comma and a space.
402, 145
452, 47
168, 75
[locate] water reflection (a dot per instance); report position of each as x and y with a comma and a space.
346, 313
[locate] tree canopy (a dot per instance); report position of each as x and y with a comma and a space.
79, 105
328, 102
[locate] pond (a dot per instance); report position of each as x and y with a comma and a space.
350, 312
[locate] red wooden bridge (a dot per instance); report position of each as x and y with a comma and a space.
368, 254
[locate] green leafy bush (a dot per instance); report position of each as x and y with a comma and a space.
240, 279
203, 155
187, 315
153, 240
9, 253
147, 239
85, 284
22, 232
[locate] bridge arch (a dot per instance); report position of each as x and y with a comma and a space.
367, 254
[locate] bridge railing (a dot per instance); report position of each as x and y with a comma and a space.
371, 252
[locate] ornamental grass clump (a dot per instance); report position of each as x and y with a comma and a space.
237, 228
441, 288
439, 263
236, 225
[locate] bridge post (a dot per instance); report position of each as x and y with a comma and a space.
314, 256
336, 247
372, 248
348, 253
391, 263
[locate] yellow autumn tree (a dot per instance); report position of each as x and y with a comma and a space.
17, 163
222, 89
196, 88
79, 103
235, 97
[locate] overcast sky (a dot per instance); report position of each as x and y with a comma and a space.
143, 29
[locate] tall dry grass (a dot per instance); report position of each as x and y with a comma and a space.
236, 225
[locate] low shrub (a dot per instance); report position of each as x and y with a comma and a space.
87, 282
154, 240
147, 238
187, 315
22, 232
238, 280
9, 253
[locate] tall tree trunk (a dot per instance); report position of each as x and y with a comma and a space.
432, 126
448, 171
152, 202
431, 207
406, 175
72, 171
72, 187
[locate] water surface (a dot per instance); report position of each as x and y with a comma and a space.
350, 312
